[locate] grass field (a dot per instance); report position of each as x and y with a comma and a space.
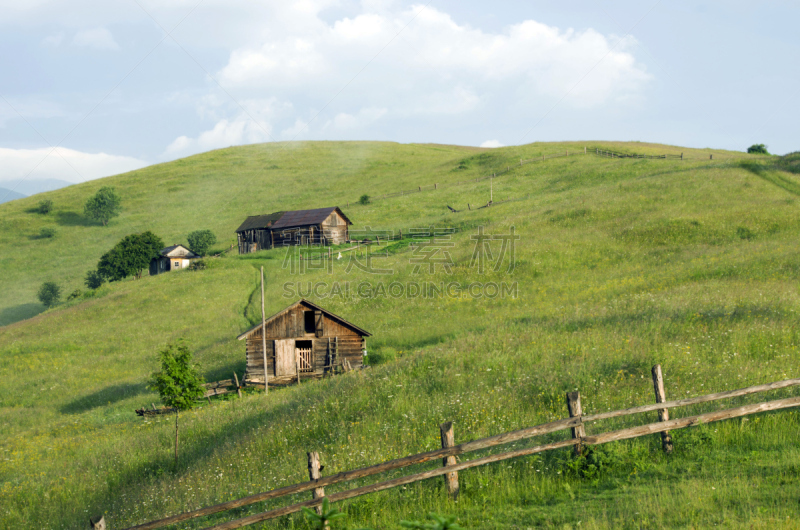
620, 264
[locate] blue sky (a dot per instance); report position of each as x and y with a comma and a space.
119, 85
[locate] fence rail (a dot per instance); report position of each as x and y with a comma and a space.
575, 422
566, 153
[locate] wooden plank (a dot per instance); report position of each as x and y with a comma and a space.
692, 401
219, 384
238, 386
318, 323
375, 469
284, 357
663, 414
680, 423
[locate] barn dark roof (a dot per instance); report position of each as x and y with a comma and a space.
165, 251
260, 221
306, 217
310, 305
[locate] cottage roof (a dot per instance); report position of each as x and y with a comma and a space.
259, 221
307, 217
310, 305
176, 250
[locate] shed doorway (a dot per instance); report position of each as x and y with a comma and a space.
304, 355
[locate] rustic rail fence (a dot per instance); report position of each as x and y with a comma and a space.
450, 467
509, 168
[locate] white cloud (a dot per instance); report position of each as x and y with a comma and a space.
492, 144
251, 125
63, 163
54, 40
98, 38
433, 54
364, 118
241, 130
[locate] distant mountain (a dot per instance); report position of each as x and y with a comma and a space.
8, 195
34, 186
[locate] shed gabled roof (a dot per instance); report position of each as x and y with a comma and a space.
182, 252
260, 221
307, 217
310, 305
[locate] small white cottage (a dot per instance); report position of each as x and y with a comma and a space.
172, 258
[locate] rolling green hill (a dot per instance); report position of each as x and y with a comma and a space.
620, 264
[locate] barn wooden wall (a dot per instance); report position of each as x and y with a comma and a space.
291, 325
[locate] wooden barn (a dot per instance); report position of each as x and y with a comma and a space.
305, 341
321, 226
172, 258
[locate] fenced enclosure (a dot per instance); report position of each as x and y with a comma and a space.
500, 172
577, 440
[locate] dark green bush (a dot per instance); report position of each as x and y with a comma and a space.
47, 233
364, 199
45, 207
94, 279
744, 233
49, 294
74, 294
197, 265
758, 149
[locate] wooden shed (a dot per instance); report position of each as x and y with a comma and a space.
304, 336
320, 226
172, 258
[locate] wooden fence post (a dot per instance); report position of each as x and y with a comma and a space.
681, 156
574, 407
711, 157
98, 523
314, 474
584, 150
449, 440
264, 334
663, 414
236, 380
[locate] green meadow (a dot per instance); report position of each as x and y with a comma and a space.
619, 264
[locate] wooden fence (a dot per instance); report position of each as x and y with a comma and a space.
613, 154
450, 468
566, 153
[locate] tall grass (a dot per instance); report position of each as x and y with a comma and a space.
621, 264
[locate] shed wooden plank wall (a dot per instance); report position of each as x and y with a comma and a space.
292, 325
350, 348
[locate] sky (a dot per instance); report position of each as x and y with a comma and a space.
91, 89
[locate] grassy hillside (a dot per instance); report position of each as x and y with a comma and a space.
621, 263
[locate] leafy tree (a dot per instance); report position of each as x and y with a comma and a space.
49, 294
45, 207
178, 382
94, 279
130, 256
103, 206
758, 149
364, 199
201, 240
